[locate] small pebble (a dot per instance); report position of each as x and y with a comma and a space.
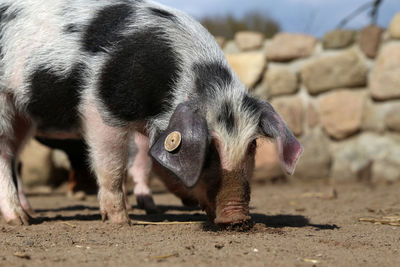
219, 246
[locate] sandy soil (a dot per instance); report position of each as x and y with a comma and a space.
295, 225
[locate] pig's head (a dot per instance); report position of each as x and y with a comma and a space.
211, 153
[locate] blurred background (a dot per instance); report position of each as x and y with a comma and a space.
314, 17
331, 68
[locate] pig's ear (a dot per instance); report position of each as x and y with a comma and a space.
181, 148
272, 125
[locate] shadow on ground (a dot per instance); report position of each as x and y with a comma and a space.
68, 208
272, 221
285, 220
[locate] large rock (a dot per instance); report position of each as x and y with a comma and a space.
36, 164
374, 117
249, 40
267, 165
368, 156
394, 28
289, 46
248, 65
385, 170
312, 116
344, 70
341, 112
291, 110
384, 152
350, 162
384, 82
281, 81
338, 39
370, 38
315, 161
392, 119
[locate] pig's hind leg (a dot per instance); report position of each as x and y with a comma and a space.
108, 150
139, 170
14, 130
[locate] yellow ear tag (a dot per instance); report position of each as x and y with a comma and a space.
172, 141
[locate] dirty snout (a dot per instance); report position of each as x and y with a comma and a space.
232, 199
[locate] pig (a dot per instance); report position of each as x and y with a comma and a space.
108, 71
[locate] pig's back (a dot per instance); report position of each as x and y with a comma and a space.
131, 55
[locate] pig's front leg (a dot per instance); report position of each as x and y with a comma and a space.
108, 147
140, 173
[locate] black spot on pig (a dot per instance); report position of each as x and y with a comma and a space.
137, 81
251, 104
54, 100
226, 117
162, 13
211, 76
106, 28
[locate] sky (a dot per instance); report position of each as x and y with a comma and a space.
314, 17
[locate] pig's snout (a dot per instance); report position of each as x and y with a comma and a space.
233, 212
232, 200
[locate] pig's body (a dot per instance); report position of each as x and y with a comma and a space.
106, 69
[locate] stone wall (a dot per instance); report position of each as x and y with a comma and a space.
340, 96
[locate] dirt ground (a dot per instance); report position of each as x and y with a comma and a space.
295, 225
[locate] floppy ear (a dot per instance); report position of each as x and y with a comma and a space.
182, 146
272, 125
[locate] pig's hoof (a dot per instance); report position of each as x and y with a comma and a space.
19, 217
120, 217
146, 202
112, 207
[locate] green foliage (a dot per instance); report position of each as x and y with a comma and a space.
227, 26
